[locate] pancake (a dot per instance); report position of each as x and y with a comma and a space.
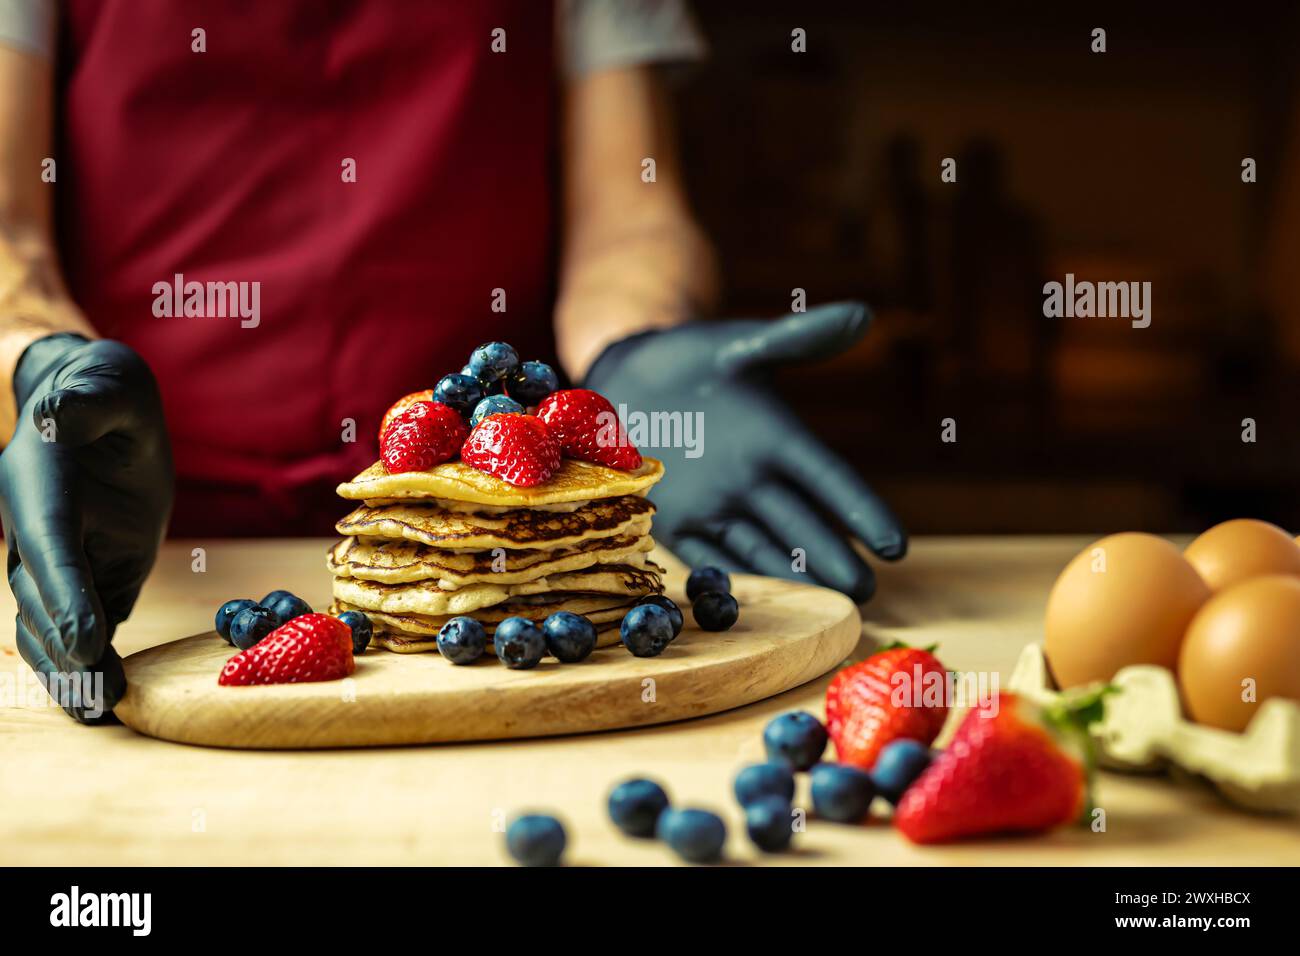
425, 597
400, 562
521, 528
468, 507
457, 481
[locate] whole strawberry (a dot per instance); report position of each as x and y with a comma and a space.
516, 448
421, 436
896, 693
401, 405
1012, 766
588, 428
311, 647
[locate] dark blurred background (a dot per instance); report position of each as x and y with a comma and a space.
821, 171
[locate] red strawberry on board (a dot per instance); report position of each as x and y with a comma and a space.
898, 692
401, 405
588, 428
1012, 766
311, 647
516, 448
420, 436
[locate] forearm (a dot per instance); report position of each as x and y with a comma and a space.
628, 279
633, 257
33, 299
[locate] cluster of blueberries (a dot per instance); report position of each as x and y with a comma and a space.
647, 628
243, 622
495, 382
794, 742
520, 643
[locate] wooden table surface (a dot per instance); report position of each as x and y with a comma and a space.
80, 795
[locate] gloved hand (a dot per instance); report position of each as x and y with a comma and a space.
751, 496
85, 493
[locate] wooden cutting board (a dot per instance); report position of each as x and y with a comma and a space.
787, 634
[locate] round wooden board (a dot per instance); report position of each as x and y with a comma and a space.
787, 634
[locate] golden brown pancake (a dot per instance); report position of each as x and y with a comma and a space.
457, 481
425, 597
521, 528
400, 562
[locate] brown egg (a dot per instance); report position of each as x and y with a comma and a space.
1244, 548
1246, 633
1126, 599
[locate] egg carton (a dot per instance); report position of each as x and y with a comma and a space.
1144, 730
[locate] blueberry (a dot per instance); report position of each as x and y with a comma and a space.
226, 613
361, 629
769, 822
569, 637
899, 764
841, 793
495, 405
493, 362
273, 597
695, 835
796, 738
287, 606
532, 383
462, 640
251, 625
646, 630
707, 578
461, 392
536, 840
764, 780
519, 643
715, 611
635, 806
669, 605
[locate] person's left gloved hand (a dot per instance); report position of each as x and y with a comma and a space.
761, 481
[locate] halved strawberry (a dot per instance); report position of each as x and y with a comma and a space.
1012, 766
311, 647
515, 448
588, 428
890, 695
401, 405
421, 436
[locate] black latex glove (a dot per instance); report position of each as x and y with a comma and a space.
83, 514
763, 484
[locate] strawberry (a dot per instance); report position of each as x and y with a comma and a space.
401, 405
588, 428
898, 692
516, 448
311, 647
420, 436
1012, 766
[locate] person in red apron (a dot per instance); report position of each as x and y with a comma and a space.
372, 189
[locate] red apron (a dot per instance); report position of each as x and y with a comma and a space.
227, 166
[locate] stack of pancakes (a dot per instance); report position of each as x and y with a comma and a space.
422, 547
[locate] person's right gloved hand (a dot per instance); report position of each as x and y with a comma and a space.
85, 494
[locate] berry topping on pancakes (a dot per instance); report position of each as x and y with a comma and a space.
421, 436
588, 428
518, 449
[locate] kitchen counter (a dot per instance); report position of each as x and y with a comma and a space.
79, 795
